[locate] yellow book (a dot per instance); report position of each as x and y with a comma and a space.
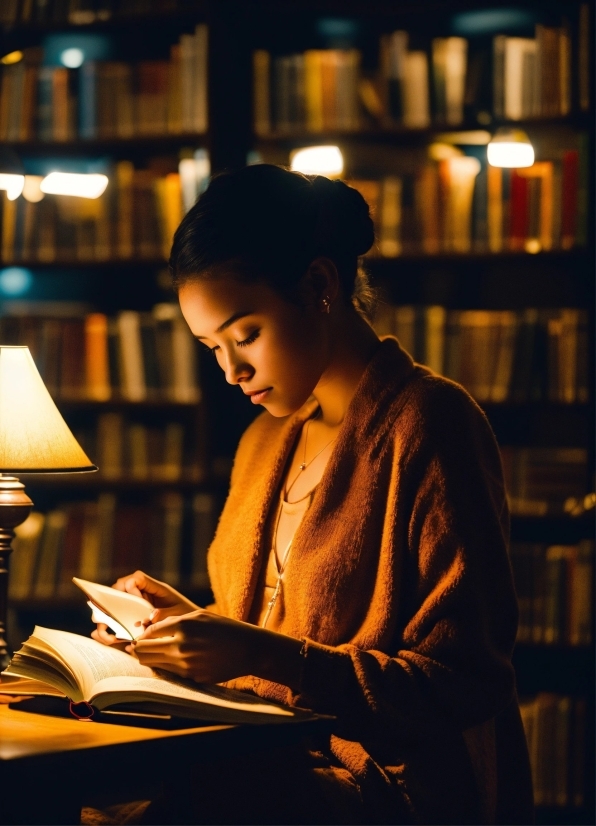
313, 59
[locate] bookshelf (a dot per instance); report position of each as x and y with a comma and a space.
379, 143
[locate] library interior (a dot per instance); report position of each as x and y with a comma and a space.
467, 127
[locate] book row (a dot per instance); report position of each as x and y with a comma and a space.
81, 12
498, 355
542, 481
111, 99
448, 81
128, 449
104, 539
461, 204
555, 728
554, 586
132, 356
136, 217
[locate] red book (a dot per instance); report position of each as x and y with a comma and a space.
569, 198
519, 224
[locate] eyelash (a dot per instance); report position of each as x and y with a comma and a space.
251, 338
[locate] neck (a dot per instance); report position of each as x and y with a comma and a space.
352, 344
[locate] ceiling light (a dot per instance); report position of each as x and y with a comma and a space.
510, 148
318, 160
70, 183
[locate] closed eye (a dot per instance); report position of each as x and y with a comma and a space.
252, 337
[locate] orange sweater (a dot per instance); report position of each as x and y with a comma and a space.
400, 583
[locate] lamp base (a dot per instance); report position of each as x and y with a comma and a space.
15, 507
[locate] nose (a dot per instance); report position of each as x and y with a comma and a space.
236, 369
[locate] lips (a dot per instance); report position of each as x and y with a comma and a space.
257, 396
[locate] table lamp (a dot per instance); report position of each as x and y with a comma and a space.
34, 438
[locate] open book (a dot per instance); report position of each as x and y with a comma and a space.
87, 671
121, 611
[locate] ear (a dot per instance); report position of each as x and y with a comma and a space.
320, 281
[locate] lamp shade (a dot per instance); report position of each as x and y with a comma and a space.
34, 438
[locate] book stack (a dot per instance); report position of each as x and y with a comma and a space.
461, 204
81, 12
314, 91
106, 538
441, 82
106, 99
136, 217
540, 481
134, 356
554, 586
532, 75
555, 728
498, 355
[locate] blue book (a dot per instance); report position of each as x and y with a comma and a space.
88, 100
45, 128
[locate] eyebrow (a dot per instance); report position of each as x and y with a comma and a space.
230, 320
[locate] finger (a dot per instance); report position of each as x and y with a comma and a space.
166, 628
102, 635
161, 644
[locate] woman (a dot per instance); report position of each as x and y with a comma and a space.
360, 566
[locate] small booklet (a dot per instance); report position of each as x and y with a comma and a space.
86, 671
120, 611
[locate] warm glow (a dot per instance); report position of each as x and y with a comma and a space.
13, 184
11, 57
34, 437
318, 160
510, 148
32, 189
70, 183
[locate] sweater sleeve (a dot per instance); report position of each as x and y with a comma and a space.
451, 656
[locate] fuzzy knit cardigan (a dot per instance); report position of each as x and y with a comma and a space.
400, 583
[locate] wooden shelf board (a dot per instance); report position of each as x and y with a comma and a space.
117, 20
405, 135
135, 145
73, 482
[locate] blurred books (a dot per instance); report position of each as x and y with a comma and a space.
167, 536
498, 355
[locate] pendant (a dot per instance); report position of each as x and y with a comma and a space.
303, 466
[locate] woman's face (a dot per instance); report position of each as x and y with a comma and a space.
273, 349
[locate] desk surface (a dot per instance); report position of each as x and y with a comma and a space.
25, 735
51, 765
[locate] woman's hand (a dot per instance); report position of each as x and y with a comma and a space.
166, 600
209, 648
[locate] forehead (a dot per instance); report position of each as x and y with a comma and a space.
207, 303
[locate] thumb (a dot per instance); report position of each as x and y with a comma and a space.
159, 614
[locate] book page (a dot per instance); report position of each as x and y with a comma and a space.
178, 694
90, 660
127, 609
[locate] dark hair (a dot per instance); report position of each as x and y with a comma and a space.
268, 224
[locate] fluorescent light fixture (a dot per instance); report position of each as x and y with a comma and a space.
32, 189
71, 183
11, 57
72, 58
318, 160
510, 148
13, 184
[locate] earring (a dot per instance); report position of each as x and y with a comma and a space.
326, 305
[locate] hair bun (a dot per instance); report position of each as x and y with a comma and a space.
344, 220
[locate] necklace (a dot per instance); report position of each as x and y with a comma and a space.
281, 567
304, 463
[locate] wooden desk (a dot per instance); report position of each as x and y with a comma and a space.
51, 766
